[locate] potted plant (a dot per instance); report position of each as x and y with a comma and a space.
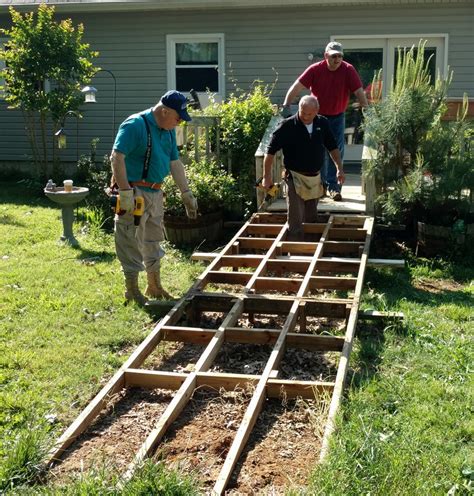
422, 167
215, 190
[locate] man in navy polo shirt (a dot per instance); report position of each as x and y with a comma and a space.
144, 153
304, 138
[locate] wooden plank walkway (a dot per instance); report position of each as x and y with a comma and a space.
258, 273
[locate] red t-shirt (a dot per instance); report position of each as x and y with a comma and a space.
332, 88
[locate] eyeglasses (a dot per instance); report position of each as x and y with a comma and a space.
336, 56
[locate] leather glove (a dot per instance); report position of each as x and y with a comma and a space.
190, 204
286, 111
127, 202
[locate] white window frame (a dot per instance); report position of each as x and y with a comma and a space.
389, 42
173, 39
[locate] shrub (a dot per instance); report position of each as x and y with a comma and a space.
244, 119
214, 189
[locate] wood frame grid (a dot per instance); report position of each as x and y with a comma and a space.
258, 262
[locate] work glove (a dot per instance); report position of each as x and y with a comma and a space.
127, 202
286, 111
190, 204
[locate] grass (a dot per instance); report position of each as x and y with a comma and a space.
405, 426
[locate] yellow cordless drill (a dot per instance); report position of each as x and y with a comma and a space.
271, 193
137, 212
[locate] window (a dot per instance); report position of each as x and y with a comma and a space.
196, 62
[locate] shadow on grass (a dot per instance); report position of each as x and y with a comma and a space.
399, 285
86, 255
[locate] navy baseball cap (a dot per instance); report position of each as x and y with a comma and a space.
176, 101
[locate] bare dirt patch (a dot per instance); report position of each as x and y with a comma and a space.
117, 434
437, 285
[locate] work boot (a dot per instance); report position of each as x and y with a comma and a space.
132, 292
154, 288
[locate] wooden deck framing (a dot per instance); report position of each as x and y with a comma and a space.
259, 272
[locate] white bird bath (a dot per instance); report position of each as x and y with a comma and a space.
67, 200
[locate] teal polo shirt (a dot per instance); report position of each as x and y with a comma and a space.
131, 140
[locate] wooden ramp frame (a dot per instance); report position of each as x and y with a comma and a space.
259, 272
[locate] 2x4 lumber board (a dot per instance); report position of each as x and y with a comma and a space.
193, 335
274, 389
258, 397
298, 247
294, 340
186, 390
352, 247
153, 379
248, 243
242, 260
222, 277
323, 282
317, 254
253, 336
325, 263
256, 403
288, 265
260, 270
348, 342
279, 284
271, 229
114, 385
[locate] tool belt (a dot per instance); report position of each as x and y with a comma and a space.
146, 184
307, 187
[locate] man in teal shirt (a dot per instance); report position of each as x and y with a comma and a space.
144, 153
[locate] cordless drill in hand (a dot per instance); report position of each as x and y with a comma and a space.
271, 193
137, 211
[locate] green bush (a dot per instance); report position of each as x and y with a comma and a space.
214, 189
244, 118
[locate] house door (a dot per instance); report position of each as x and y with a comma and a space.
371, 54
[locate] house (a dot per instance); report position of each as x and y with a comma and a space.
149, 46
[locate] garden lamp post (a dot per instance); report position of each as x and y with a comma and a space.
61, 134
90, 92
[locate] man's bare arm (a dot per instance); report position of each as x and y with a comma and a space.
295, 89
119, 170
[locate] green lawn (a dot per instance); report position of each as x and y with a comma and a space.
404, 428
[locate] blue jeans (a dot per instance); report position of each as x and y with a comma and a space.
337, 124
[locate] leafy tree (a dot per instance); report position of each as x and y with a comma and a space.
46, 65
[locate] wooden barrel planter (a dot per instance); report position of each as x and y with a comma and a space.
184, 231
436, 240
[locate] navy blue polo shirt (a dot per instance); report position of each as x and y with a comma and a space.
303, 152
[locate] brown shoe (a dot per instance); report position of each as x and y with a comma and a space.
335, 195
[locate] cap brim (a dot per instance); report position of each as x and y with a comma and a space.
332, 52
184, 115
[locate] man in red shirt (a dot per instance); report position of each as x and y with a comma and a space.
331, 81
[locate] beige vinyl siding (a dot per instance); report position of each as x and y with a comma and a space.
259, 44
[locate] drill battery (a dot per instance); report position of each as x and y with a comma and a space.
137, 212
270, 195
